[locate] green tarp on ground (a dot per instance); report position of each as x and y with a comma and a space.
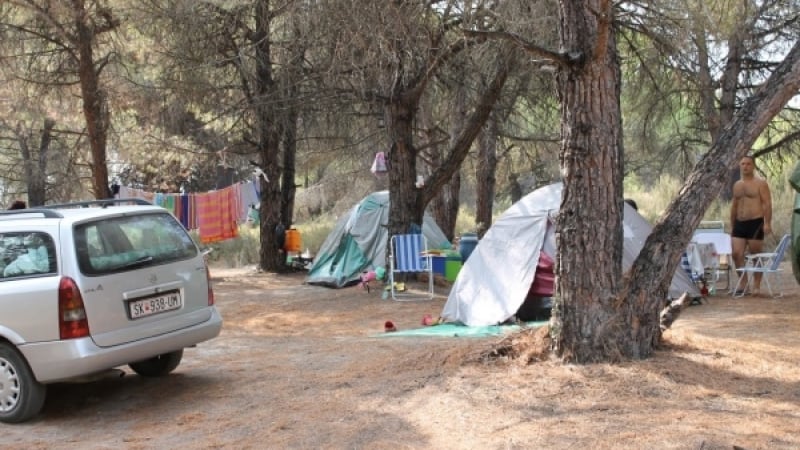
458, 330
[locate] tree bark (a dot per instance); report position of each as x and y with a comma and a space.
36, 169
588, 323
445, 204
405, 199
289, 171
486, 174
289, 140
271, 256
34, 166
95, 103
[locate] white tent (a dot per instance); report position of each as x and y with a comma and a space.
496, 278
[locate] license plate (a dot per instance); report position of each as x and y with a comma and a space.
155, 305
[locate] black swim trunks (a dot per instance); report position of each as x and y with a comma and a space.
749, 229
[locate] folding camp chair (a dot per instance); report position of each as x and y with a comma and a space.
766, 264
409, 254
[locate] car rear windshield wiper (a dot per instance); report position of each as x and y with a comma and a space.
143, 261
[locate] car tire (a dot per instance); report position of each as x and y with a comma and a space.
158, 366
21, 396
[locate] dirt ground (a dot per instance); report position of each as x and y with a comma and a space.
299, 366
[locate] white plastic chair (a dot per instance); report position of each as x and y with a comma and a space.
766, 263
409, 254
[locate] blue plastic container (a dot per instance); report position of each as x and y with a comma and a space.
438, 264
466, 245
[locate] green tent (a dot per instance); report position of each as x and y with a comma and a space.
794, 181
358, 243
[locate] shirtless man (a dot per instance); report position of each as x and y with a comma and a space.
751, 216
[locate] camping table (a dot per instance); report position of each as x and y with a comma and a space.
721, 241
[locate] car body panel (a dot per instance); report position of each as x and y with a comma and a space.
106, 300
161, 257
71, 358
33, 305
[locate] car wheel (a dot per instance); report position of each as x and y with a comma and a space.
21, 396
159, 365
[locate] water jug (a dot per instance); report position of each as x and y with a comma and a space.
293, 242
466, 245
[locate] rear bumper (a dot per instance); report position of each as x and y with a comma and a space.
63, 360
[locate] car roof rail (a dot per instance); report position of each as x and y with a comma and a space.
101, 203
47, 213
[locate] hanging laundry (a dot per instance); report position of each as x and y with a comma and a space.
169, 203
253, 216
379, 164
224, 210
247, 197
216, 216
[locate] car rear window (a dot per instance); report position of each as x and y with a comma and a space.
25, 254
127, 243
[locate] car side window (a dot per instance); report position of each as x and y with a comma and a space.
26, 254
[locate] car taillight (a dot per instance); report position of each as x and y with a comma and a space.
210, 291
72, 321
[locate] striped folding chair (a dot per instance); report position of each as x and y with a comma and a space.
409, 254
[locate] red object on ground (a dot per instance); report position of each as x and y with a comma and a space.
389, 326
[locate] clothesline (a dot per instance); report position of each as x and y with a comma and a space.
216, 215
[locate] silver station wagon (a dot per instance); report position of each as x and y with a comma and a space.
91, 286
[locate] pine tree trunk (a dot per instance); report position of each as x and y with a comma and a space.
288, 187
588, 325
294, 72
444, 206
36, 169
404, 196
486, 174
95, 104
271, 255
